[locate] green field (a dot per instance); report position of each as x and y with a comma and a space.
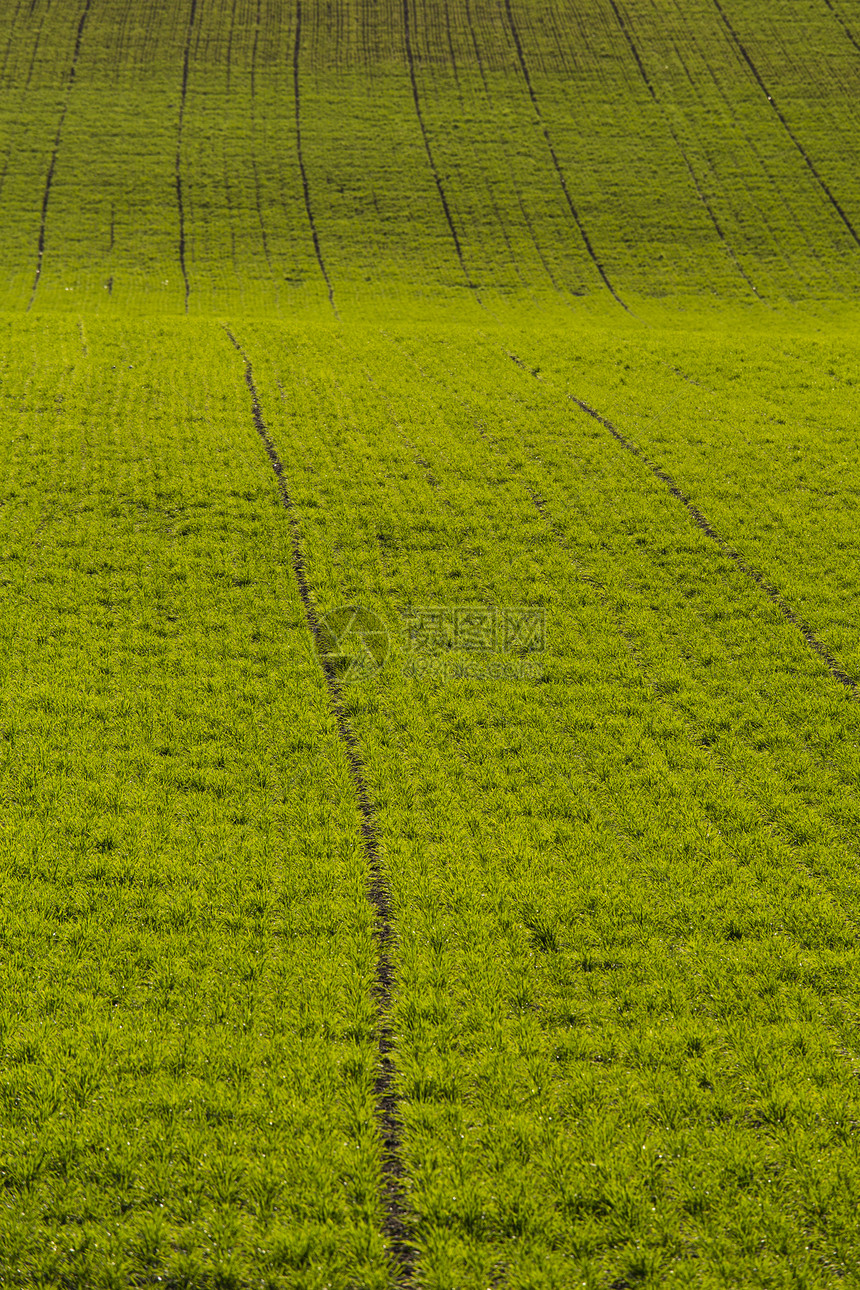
429, 723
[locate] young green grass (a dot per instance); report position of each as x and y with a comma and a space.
623, 892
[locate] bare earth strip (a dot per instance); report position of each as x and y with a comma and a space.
395, 1226
564, 188
46, 196
179, 201
833, 667
305, 186
798, 145
430, 158
625, 31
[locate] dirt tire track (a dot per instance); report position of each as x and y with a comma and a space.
601, 592
12, 26
178, 165
301, 160
253, 127
798, 145
843, 24
473, 34
526, 217
410, 59
751, 144
838, 673
49, 178
229, 60
681, 150
555, 161
395, 1226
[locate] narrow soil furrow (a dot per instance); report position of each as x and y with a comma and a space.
707, 528
526, 217
9, 41
301, 160
410, 59
253, 145
555, 161
752, 148
631, 44
229, 61
473, 34
843, 24
35, 47
49, 178
726, 768
798, 145
178, 169
393, 1171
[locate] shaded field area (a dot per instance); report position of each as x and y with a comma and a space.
416, 157
429, 678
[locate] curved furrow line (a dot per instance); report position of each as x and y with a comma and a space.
301, 160
470, 24
230, 44
452, 57
393, 1170
751, 146
631, 44
253, 146
35, 47
514, 471
49, 178
430, 158
178, 164
832, 665
526, 217
478, 166
822, 184
843, 24
599, 587
12, 25
564, 188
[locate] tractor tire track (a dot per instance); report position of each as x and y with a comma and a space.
35, 47
555, 161
797, 144
526, 217
477, 166
843, 24
253, 148
301, 160
395, 1225
229, 61
723, 762
765, 210
180, 205
9, 41
832, 665
631, 44
478, 60
49, 178
410, 59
